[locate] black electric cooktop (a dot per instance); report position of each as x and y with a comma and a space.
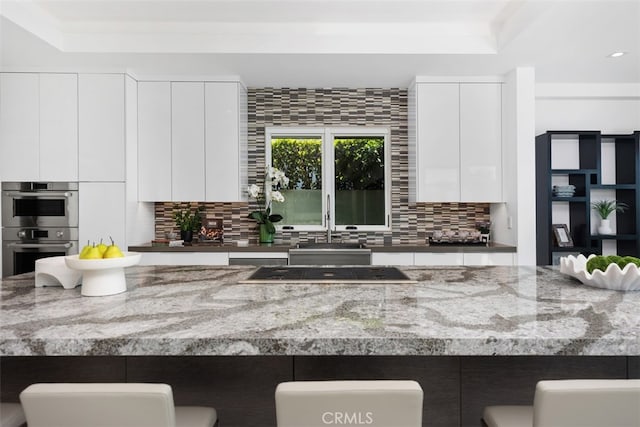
338, 274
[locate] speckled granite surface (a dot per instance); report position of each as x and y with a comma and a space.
195, 310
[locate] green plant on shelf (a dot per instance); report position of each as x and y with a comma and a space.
604, 208
186, 219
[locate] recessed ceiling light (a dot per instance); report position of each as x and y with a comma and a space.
616, 54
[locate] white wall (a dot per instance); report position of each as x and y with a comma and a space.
514, 221
610, 108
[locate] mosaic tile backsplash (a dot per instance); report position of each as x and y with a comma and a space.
336, 107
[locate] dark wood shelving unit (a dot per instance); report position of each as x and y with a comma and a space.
587, 177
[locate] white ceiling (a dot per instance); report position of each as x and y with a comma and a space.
326, 43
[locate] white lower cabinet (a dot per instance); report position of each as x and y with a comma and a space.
102, 213
392, 258
438, 258
489, 258
185, 258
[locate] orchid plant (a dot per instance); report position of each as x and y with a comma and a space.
274, 180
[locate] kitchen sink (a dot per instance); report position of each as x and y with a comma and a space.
334, 274
337, 245
330, 254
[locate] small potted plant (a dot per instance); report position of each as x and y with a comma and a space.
604, 208
188, 221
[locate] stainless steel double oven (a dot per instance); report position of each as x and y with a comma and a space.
39, 219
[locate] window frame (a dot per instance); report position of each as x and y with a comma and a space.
327, 134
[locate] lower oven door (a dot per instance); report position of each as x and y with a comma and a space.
19, 257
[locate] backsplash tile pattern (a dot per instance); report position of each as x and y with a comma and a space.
337, 107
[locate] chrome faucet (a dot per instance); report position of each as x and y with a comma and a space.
328, 218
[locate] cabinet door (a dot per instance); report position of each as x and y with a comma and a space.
154, 141
480, 258
19, 127
59, 127
102, 213
481, 142
438, 145
187, 141
439, 258
101, 127
392, 258
223, 174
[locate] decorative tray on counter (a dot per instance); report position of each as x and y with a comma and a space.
458, 238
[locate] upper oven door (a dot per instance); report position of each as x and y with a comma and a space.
57, 208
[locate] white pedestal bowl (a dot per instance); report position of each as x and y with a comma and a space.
105, 276
626, 279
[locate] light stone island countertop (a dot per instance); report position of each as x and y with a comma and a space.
197, 310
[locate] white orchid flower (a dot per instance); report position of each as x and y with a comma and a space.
277, 196
254, 190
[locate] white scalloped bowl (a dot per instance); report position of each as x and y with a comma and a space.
626, 279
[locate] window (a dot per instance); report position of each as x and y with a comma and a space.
338, 177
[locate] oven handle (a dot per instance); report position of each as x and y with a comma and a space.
40, 245
47, 195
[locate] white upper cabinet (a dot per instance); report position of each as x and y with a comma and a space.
481, 142
226, 151
19, 127
154, 141
192, 141
101, 127
58, 127
187, 141
455, 142
38, 127
438, 148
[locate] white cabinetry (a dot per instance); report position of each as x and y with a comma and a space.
101, 127
185, 258
58, 127
455, 142
38, 127
226, 141
102, 212
481, 142
154, 141
438, 147
480, 258
187, 141
19, 132
392, 258
192, 141
439, 258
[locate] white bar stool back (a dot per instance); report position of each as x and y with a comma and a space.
573, 403
379, 403
109, 405
11, 415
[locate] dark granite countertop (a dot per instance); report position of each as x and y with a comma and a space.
233, 247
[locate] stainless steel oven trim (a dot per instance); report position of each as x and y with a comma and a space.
9, 249
39, 245
67, 191
36, 195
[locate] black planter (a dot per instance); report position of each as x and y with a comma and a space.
186, 235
